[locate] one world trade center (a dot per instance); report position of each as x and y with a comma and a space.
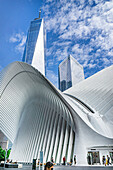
34, 52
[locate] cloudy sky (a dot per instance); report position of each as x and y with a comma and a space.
82, 28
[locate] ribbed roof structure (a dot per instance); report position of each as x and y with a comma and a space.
97, 93
36, 116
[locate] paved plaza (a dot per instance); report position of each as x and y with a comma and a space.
65, 168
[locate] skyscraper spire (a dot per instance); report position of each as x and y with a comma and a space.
39, 13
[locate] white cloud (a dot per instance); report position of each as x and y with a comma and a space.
66, 43
76, 48
50, 62
19, 40
61, 54
91, 65
90, 19
106, 61
82, 29
85, 64
52, 77
13, 39
20, 46
110, 53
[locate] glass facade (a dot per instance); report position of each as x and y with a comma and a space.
70, 73
34, 50
31, 41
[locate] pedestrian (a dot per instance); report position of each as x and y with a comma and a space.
75, 159
38, 161
64, 160
89, 159
103, 160
52, 160
71, 161
108, 160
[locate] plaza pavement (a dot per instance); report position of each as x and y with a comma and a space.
65, 168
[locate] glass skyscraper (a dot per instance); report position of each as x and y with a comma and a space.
34, 53
70, 73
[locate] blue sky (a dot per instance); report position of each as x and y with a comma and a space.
15, 17
82, 28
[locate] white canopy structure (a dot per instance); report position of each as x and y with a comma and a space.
36, 116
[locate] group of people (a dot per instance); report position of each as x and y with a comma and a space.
106, 160
64, 160
71, 161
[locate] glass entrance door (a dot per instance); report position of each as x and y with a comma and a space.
93, 158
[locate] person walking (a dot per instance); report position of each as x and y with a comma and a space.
64, 160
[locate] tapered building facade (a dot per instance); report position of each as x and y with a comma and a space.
70, 73
34, 53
